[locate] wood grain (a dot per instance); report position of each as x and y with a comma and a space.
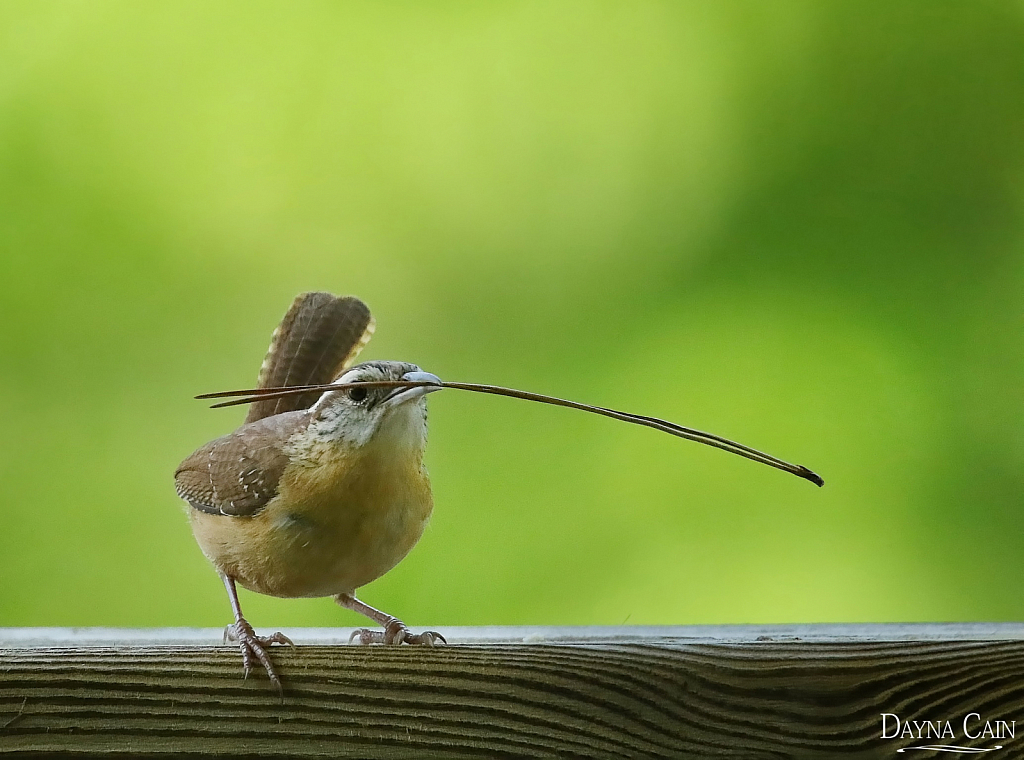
735, 692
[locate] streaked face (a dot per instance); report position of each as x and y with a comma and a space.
358, 414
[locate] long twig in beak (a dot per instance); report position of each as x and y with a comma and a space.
251, 395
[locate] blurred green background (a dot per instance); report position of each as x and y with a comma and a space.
798, 225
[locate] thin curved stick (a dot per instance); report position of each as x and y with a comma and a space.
708, 439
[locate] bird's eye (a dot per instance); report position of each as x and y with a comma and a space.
358, 395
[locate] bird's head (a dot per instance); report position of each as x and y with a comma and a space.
358, 415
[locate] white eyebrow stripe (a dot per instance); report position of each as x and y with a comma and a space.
350, 376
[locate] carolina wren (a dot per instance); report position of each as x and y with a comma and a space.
316, 494
323, 488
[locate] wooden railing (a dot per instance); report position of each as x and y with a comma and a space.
809, 691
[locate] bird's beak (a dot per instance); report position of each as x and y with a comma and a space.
401, 395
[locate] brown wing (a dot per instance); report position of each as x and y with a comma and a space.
239, 473
318, 338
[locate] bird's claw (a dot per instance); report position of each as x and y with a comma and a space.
426, 639
396, 632
252, 647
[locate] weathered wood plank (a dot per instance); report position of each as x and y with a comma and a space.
734, 691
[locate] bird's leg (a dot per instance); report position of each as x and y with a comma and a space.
251, 644
395, 631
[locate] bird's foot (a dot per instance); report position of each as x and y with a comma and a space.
252, 647
396, 632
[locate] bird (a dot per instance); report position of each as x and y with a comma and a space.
323, 489
316, 494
